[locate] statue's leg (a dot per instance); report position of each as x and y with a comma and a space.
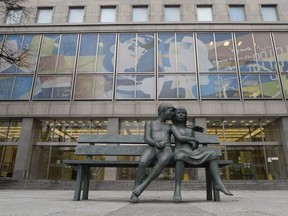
179, 171
145, 160
164, 157
214, 170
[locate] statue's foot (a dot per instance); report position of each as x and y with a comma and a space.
224, 190
134, 198
177, 198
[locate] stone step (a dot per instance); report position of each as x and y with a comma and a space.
128, 185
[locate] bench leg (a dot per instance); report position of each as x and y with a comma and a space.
78, 186
86, 179
208, 184
216, 194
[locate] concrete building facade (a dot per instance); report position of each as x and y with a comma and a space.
104, 66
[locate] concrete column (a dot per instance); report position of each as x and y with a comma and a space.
283, 127
24, 150
112, 128
201, 171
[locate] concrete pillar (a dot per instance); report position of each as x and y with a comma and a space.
112, 128
201, 171
283, 127
24, 150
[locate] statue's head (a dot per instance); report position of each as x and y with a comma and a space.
164, 106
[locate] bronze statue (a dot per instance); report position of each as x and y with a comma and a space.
158, 137
186, 150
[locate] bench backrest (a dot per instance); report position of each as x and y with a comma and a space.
121, 145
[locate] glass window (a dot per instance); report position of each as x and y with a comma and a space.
44, 15
237, 13
108, 14
76, 15
140, 13
94, 87
282, 50
9, 131
219, 86
204, 13
206, 52
135, 86
269, 13
13, 16
136, 53
58, 53
175, 86
172, 13
176, 52
52, 87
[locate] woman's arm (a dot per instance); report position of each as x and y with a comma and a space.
180, 137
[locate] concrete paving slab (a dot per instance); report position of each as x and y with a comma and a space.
152, 203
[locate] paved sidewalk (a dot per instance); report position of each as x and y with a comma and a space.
109, 203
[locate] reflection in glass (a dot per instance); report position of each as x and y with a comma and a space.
94, 86
282, 50
176, 52
132, 86
270, 86
67, 54
225, 52
173, 86
106, 53
251, 86
48, 54
127, 53
87, 53
52, 87
219, 86
206, 52
284, 79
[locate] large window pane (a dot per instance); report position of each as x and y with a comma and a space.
87, 53
251, 86
282, 50
44, 15
67, 54
6, 86
264, 52
225, 52
270, 86
204, 13
106, 53
173, 86
136, 53
135, 86
49, 52
52, 87
206, 52
172, 13
94, 87
22, 87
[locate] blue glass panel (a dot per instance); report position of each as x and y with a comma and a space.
125, 87
145, 53
229, 87
127, 53
145, 87
49, 52
6, 85
22, 87
185, 52
209, 86
62, 87
167, 87
67, 54
166, 52
106, 53
206, 52
43, 87
87, 54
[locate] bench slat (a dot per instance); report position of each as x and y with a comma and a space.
120, 150
136, 139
